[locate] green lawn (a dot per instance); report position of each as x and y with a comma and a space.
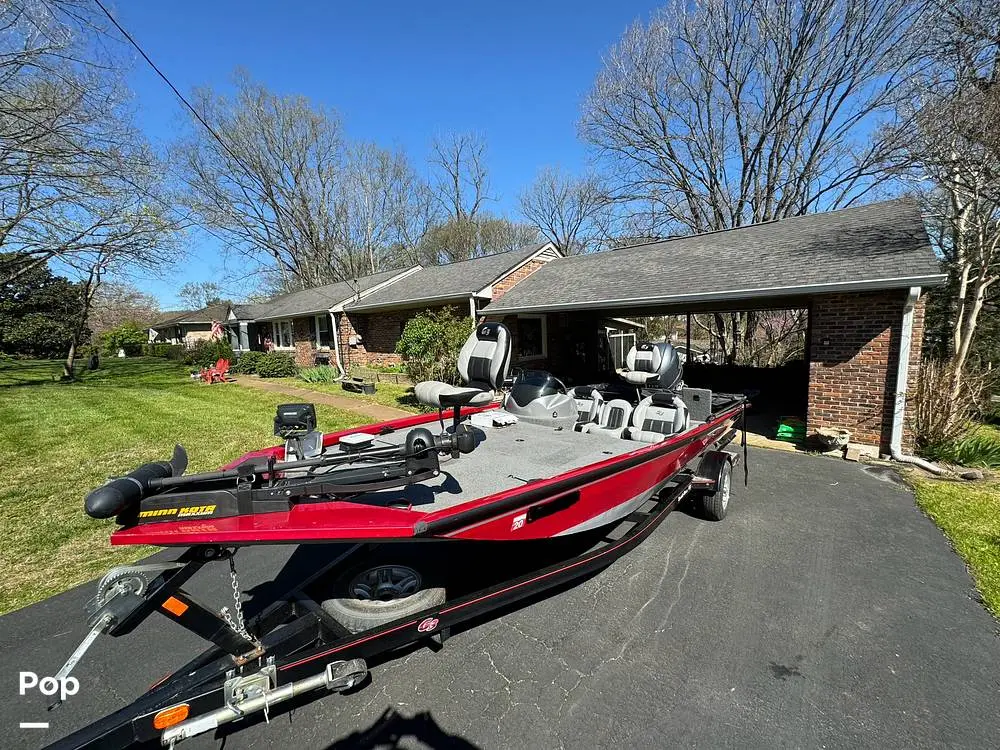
60, 440
387, 394
969, 515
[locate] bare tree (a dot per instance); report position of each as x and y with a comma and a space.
461, 185
116, 303
198, 294
949, 146
567, 210
384, 206
727, 112
462, 239
270, 184
75, 176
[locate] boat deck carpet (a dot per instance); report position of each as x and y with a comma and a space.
504, 458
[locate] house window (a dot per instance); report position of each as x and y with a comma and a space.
324, 338
531, 337
283, 334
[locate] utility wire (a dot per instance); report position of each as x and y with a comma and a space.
173, 88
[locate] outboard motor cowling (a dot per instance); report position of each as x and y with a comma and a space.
540, 398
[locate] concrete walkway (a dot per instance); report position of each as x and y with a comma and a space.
377, 412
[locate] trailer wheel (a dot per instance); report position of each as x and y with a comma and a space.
373, 596
715, 504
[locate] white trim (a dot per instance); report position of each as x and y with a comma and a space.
545, 337
276, 334
733, 294
626, 321
547, 249
316, 319
339, 307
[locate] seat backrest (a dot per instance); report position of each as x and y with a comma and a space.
485, 357
662, 413
654, 364
588, 402
614, 414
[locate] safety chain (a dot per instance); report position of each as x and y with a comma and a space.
239, 625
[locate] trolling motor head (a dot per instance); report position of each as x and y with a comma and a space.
294, 420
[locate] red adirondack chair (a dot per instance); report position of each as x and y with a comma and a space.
216, 373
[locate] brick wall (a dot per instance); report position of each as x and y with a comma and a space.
304, 337
379, 334
854, 348
512, 279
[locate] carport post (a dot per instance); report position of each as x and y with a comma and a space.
687, 354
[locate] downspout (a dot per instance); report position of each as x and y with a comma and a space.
902, 376
336, 346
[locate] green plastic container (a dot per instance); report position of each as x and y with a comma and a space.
791, 430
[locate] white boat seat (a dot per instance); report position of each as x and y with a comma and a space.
657, 417
612, 420
482, 365
588, 403
652, 365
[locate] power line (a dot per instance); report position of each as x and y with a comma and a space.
173, 88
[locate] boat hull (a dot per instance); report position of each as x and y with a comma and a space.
571, 502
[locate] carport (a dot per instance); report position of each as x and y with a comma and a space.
859, 272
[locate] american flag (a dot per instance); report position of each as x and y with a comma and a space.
216, 330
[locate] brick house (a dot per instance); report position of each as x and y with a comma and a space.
859, 272
359, 322
370, 326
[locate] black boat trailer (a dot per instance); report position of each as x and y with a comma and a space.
298, 648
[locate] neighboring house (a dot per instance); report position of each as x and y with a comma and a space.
188, 327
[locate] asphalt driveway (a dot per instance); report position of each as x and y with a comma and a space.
826, 611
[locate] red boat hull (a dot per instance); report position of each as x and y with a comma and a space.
575, 501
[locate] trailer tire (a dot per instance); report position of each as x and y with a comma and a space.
715, 504
384, 596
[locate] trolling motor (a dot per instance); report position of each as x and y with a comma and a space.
159, 491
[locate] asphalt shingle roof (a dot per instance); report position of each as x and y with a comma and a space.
885, 244
317, 299
451, 281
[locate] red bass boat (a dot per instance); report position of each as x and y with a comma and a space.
540, 462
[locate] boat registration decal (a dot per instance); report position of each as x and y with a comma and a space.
519, 522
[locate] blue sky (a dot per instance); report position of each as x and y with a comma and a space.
397, 72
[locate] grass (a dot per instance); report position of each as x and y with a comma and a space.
62, 439
386, 394
969, 515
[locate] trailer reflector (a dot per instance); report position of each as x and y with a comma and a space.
175, 606
170, 716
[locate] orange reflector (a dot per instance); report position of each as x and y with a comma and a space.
170, 716
175, 606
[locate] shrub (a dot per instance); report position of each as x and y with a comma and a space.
277, 365
208, 352
247, 363
940, 413
321, 374
980, 447
127, 336
177, 353
161, 350
430, 344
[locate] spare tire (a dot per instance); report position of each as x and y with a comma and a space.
369, 597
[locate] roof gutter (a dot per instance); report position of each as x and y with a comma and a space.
731, 294
902, 376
